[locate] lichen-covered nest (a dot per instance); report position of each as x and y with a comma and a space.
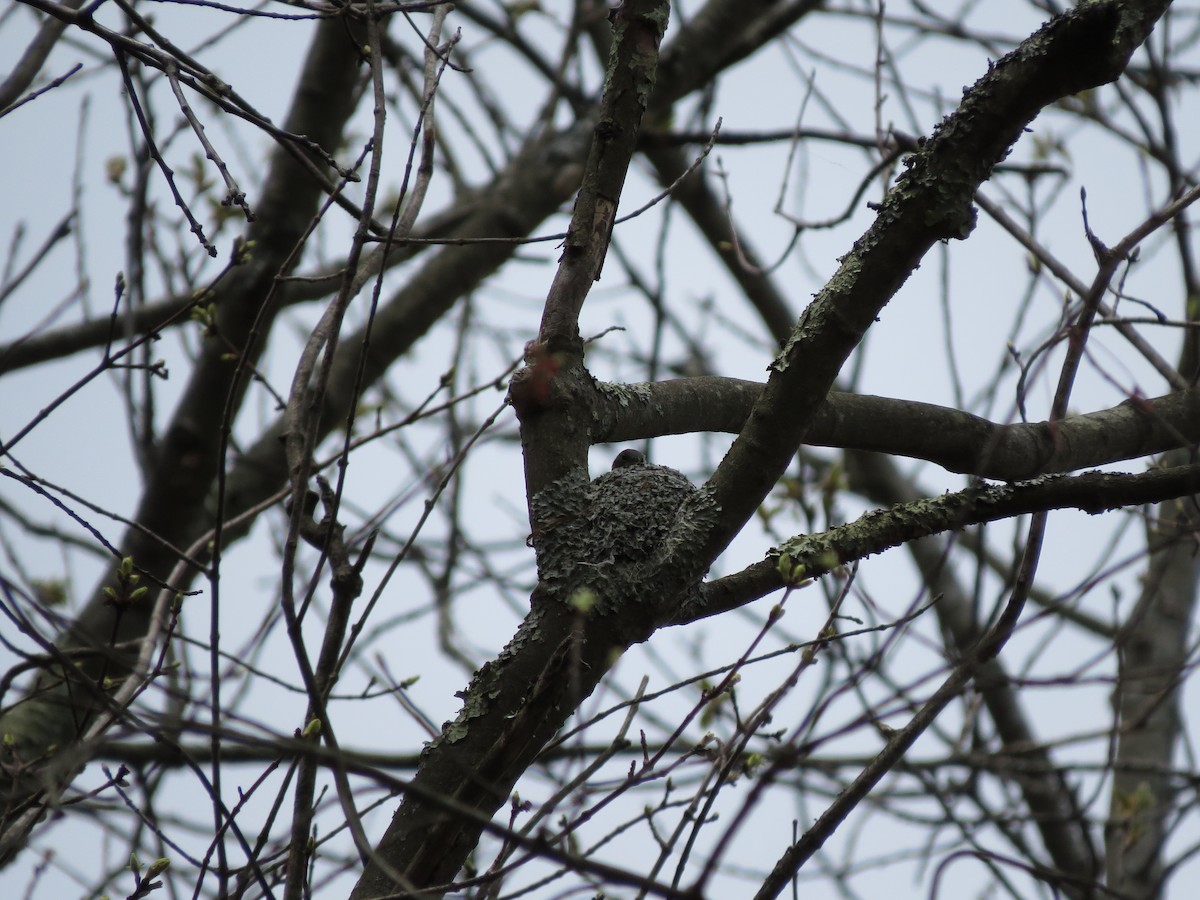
602, 537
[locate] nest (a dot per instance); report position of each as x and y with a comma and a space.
605, 536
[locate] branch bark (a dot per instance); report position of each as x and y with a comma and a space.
955, 440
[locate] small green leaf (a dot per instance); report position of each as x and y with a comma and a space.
791, 571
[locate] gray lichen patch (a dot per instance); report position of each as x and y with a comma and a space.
624, 394
603, 539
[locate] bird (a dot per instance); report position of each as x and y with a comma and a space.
629, 457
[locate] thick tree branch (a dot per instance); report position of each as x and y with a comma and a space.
550, 394
955, 440
882, 529
853, 421
1083, 48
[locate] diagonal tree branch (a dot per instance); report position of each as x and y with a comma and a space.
1083, 48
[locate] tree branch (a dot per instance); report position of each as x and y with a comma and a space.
1083, 48
955, 440
882, 529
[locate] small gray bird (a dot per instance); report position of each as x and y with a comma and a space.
629, 457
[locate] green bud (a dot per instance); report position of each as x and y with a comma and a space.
157, 867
